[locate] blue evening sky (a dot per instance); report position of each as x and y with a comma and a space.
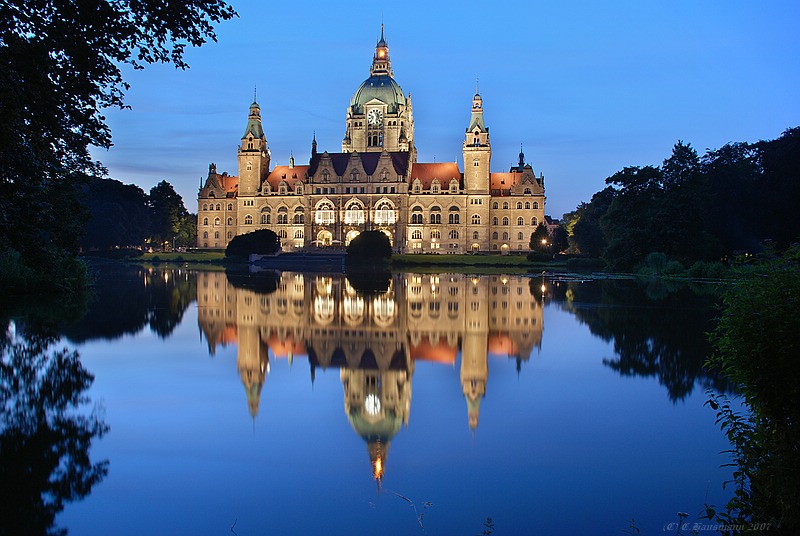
587, 87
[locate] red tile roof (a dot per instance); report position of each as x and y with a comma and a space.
290, 175
426, 172
504, 181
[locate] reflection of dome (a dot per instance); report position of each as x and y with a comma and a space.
381, 87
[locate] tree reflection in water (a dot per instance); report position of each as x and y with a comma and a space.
126, 300
45, 431
658, 329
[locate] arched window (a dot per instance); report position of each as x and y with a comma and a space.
453, 235
417, 187
205, 234
505, 205
216, 221
475, 235
325, 214
535, 205
205, 221
476, 219
435, 187
494, 235
283, 216
453, 186
218, 206
494, 205
436, 234
230, 235
520, 221
519, 205
230, 221
527, 205
354, 213
505, 236
299, 216
494, 220
416, 234
453, 217
230, 206
384, 213
282, 233
298, 233
205, 206
534, 221
248, 220
505, 220
519, 236
436, 215
527, 190
216, 235
416, 215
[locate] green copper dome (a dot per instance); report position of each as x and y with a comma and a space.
381, 87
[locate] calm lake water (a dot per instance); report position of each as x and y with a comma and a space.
416, 404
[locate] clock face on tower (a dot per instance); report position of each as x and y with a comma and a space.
372, 404
374, 117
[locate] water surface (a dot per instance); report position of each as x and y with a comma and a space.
421, 404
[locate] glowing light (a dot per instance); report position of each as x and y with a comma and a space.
378, 468
543, 289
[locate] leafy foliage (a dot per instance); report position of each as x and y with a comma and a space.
540, 239
758, 341
60, 65
260, 242
694, 208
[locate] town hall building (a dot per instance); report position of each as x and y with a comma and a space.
375, 183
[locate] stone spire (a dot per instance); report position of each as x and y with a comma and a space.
381, 64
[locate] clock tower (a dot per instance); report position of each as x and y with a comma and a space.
379, 117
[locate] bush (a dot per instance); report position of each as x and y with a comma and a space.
656, 262
673, 268
708, 270
369, 246
261, 242
758, 341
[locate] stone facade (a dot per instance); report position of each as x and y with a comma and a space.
375, 183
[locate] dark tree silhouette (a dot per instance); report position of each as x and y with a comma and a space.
61, 65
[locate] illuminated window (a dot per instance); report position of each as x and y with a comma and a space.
325, 214
384, 213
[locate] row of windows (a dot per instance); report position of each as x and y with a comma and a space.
355, 190
298, 234
325, 215
435, 235
520, 204
206, 206
379, 189
435, 187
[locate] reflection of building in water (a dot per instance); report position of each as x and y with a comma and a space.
375, 340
